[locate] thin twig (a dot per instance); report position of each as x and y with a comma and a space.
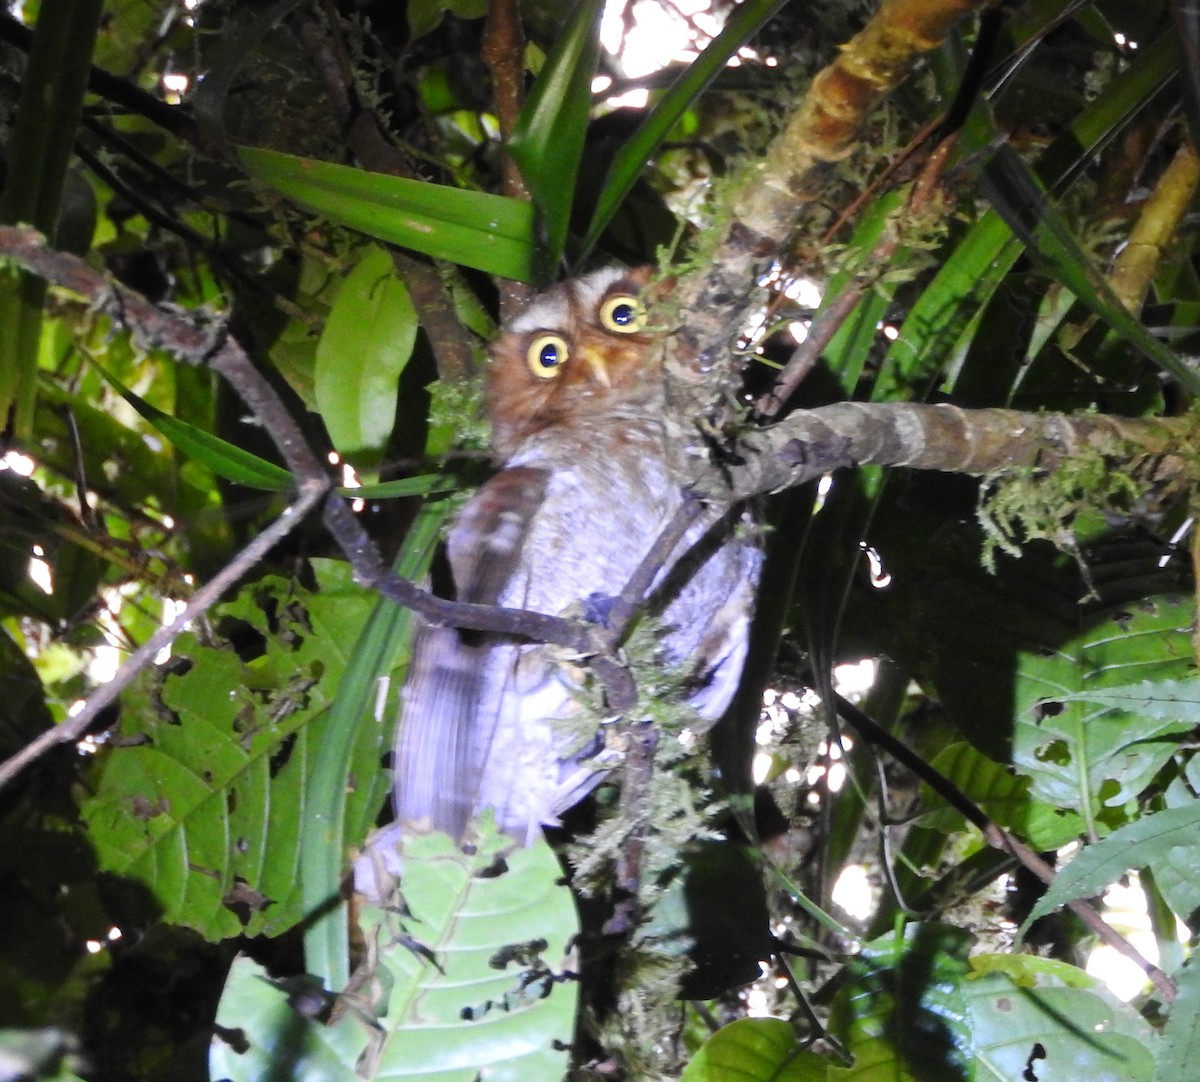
805, 356
309, 495
997, 837
200, 345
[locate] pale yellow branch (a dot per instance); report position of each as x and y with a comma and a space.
1136, 263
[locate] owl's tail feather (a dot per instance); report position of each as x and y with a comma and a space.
435, 768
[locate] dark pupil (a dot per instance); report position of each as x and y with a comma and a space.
548, 357
623, 315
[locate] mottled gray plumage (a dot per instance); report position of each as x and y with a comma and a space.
577, 408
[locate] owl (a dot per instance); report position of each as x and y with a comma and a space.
576, 402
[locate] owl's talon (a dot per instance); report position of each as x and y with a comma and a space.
597, 608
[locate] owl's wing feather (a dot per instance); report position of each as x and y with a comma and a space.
446, 731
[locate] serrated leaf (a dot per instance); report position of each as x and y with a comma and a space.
364, 348
471, 975
755, 1050
1140, 844
1044, 1029
491, 233
203, 802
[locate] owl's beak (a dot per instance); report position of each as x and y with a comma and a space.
599, 369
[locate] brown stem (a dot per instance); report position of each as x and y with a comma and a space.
198, 345
632, 597
995, 835
804, 358
503, 52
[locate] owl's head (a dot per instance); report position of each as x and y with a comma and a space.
579, 352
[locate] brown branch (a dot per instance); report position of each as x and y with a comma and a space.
996, 836
453, 345
820, 333
503, 52
765, 210
193, 344
630, 600
810, 443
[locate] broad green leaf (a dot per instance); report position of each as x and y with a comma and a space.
1160, 700
1003, 796
755, 1050
1039, 1026
1085, 757
547, 141
223, 458
425, 16
1140, 844
367, 341
476, 229
204, 802
631, 158
1179, 1049
324, 837
470, 977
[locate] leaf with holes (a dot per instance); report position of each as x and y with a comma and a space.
201, 798
1035, 1018
1143, 843
1083, 755
471, 977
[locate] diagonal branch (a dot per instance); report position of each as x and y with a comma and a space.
200, 602
997, 837
193, 344
764, 212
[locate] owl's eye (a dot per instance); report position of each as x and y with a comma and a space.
622, 314
547, 353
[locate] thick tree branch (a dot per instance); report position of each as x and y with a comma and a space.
503, 52
807, 444
810, 443
765, 210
